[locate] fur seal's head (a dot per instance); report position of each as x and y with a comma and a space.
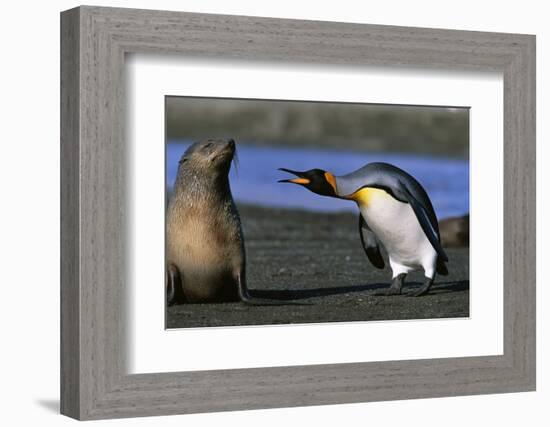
209, 158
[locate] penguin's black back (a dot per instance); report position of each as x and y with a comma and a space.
391, 179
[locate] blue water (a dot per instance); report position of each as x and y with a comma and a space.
254, 181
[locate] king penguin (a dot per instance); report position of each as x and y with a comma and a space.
395, 211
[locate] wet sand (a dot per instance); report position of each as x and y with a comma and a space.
317, 259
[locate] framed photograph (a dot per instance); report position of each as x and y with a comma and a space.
293, 239
262, 213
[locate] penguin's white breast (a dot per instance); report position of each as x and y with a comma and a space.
396, 226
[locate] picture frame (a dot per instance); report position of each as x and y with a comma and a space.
94, 42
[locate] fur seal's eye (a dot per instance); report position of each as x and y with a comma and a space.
183, 160
208, 145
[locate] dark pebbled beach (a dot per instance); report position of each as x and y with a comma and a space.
317, 259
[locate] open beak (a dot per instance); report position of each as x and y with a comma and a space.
299, 180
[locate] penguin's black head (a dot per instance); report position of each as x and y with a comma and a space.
316, 180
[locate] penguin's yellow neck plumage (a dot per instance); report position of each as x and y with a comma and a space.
367, 195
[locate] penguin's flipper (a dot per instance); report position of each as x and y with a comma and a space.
370, 244
424, 219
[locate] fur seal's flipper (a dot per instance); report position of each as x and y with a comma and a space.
423, 290
395, 288
370, 244
249, 300
174, 288
425, 222
246, 298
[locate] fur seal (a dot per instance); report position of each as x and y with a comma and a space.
455, 231
205, 252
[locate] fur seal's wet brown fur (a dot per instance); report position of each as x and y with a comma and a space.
204, 241
455, 231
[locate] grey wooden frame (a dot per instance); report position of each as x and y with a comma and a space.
94, 41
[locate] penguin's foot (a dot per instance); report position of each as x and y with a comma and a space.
422, 290
395, 288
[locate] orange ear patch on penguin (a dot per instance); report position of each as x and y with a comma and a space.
331, 180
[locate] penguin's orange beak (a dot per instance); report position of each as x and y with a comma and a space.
296, 180
300, 180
